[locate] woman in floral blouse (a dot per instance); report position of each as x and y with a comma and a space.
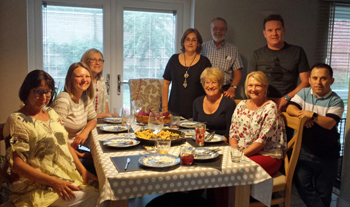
257, 125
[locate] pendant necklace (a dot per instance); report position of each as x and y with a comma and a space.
186, 75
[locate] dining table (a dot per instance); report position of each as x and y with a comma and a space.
117, 185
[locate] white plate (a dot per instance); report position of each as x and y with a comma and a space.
188, 132
216, 138
113, 120
188, 124
159, 160
204, 154
114, 128
121, 142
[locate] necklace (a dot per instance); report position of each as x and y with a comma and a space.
186, 75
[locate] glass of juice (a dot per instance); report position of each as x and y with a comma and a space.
187, 155
200, 133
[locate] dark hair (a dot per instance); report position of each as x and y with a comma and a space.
323, 65
273, 17
199, 40
68, 85
219, 19
33, 80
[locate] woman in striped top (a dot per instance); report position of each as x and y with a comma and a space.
74, 105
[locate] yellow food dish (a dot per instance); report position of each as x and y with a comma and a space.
148, 134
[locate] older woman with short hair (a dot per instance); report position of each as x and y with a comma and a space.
257, 125
183, 71
74, 105
94, 59
213, 108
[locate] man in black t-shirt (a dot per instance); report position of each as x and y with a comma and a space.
282, 63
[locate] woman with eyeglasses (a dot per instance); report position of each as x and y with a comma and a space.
47, 169
94, 59
183, 71
74, 105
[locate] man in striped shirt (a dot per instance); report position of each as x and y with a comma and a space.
223, 56
316, 169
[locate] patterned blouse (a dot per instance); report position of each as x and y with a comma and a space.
43, 146
264, 125
100, 97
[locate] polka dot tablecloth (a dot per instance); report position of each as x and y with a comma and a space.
125, 185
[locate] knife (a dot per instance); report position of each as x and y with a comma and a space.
209, 136
127, 163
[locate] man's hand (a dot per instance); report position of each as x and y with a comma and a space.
309, 123
230, 93
281, 103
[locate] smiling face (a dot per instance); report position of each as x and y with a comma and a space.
38, 100
320, 81
191, 42
218, 30
211, 87
96, 63
256, 90
81, 80
274, 34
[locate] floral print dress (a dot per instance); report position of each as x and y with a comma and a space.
43, 146
264, 125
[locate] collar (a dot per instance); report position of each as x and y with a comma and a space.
221, 45
325, 96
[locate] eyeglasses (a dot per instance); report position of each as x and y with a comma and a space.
40, 93
95, 61
221, 29
190, 40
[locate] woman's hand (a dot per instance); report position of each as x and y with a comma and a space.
87, 176
64, 189
79, 139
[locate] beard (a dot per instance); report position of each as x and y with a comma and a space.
217, 39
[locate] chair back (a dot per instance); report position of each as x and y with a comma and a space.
294, 144
237, 101
148, 90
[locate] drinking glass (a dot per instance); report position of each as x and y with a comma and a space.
155, 122
128, 118
163, 145
187, 155
236, 153
175, 121
200, 133
137, 105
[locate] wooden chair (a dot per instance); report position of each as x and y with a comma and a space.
283, 182
237, 101
148, 90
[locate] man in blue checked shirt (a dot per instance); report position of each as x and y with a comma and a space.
224, 56
316, 169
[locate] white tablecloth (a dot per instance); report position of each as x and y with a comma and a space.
125, 185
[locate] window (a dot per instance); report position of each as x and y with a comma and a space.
149, 42
67, 33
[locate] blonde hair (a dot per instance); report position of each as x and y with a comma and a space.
258, 76
68, 86
86, 57
212, 73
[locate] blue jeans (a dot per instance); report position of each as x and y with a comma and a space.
314, 179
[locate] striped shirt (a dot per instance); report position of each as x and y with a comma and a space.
225, 58
74, 117
317, 140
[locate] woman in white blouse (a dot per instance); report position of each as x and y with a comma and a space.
94, 59
257, 125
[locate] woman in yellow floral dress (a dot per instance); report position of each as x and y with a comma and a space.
50, 173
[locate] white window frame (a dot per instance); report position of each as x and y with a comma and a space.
112, 34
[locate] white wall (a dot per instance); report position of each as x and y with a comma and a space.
13, 54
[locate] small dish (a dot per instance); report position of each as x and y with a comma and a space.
113, 120
121, 142
114, 128
159, 160
205, 154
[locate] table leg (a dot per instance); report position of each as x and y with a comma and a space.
119, 203
241, 196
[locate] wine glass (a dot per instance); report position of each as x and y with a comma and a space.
155, 122
128, 118
137, 105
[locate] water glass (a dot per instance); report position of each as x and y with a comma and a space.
137, 105
128, 118
236, 153
175, 121
155, 122
200, 133
163, 145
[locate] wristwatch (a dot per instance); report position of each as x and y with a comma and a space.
234, 86
314, 116
286, 97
